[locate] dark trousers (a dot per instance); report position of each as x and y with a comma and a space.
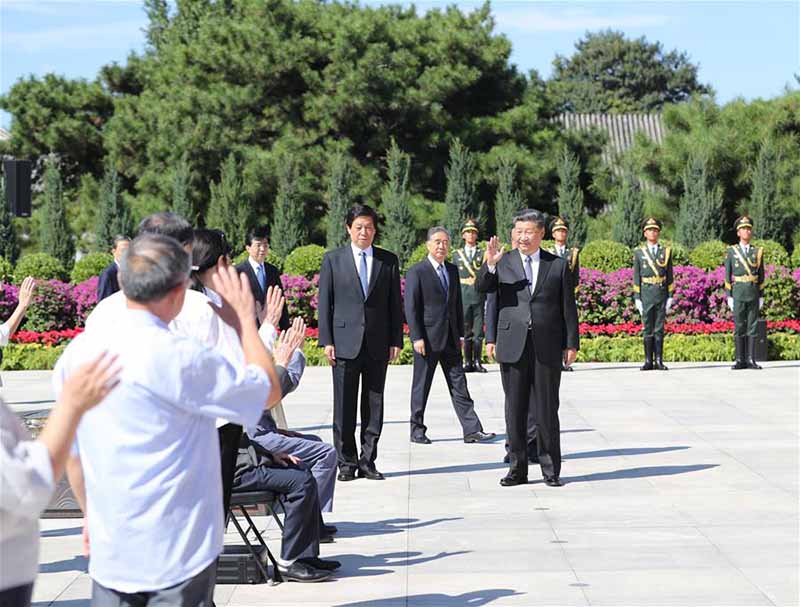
229, 436
529, 383
18, 596
197, 591
424, 368
745, 318
347, 373
653, 316
531, 429
297, 487
473, 322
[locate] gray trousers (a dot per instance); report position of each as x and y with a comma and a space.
197, 591
317, 455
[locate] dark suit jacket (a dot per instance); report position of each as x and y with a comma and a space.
550, 309
346, 319
429, 314
107, 284
273, 278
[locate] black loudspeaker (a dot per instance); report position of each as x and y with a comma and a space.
18, 186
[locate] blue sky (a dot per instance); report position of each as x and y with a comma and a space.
747, 49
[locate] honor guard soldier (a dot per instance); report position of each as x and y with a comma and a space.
744, 286
468, 259
652, 292
559, 228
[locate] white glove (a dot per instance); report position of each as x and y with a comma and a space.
730, 303
760, 302
639, 306
669, 303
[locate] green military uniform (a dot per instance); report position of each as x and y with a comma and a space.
653, 286
744, 283
469, 263
572, 257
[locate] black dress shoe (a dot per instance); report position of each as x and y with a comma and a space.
322, 565
506, 459
479, 368
346, 475
567, 369
326, 538
552, 481
328, 529
302, 572
421, 440
512, 480
479, 437
370, 473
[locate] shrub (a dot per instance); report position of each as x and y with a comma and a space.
8, 300
39, 265
774, 253
709, 255
53, 307
90, 265
302, 297
304, 261
6, 270
781, 294
30, 357
606, 256
85, 296
796, 257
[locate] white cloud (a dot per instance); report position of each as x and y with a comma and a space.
79, 37
535, 19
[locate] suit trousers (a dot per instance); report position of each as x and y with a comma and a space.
424, 368
529, 383
298, 490
347, 374
197, 591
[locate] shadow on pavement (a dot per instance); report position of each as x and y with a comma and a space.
76, 563
60, 532
64, 603
388, 526
358, 565
643, 472
476, 598
622, 452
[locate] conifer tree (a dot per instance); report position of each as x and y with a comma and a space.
700, 214
398, 230
461, 202
340, 197
570, 197
628, 211
288, 231
114, 215
507, 200
766, 213
55, 236
228, 209
9, 246
181, 196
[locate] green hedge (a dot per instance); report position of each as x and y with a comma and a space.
680, 254
304, 261
6, 269
39, 265
30, 357
90, 265
796, 257
774, 253
709, 255
606, 256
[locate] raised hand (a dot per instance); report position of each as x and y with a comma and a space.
90, 383
290, 340
273, 306
494, 251
238, 306
25, 296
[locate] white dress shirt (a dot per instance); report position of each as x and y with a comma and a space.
26, 484
560, 250
469, 251
150, 451
535, 257
357, 259
5, 333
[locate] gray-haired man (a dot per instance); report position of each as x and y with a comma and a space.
436, 323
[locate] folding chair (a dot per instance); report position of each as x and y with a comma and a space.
247, 499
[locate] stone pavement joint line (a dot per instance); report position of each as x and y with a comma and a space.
681, 488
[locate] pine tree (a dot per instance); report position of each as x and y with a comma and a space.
55, 237
398, 230
700, 213
340, 197
9, 246
507, 200
228, 210
114, 215
181, 195
288, 231
768, 217
628, 211
570, 197
460, 201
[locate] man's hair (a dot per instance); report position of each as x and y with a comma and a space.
152, 266
436, 230
167, 224
118, 239
361, 210
257, 233
530, 215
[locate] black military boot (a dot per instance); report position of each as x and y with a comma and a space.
469, 365
741, 355
751, 353
648, 355
477, 353
659, 355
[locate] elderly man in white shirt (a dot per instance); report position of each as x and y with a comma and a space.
146, 462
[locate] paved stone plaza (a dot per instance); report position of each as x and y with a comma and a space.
681, 489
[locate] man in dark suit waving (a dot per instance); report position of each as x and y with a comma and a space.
361, 330
536, 324
436, 323
262, 275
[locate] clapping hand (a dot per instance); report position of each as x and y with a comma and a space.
290, 340
272, 309
238, 306
494, 252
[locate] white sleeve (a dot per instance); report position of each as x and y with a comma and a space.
268, 335
5, 333
26, 474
